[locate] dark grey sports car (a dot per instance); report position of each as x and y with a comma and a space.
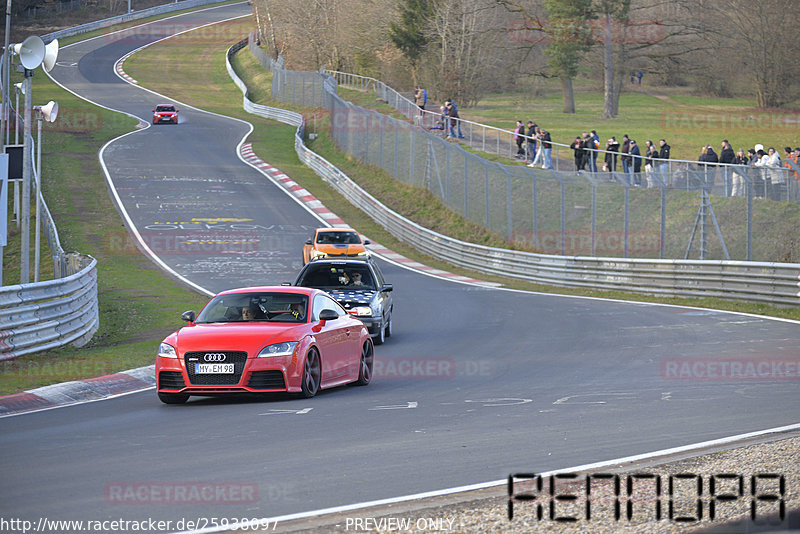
358, 285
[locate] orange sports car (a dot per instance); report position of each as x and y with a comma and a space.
335, 243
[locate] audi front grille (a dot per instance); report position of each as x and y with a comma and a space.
237, 358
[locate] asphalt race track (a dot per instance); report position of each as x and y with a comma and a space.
474, 384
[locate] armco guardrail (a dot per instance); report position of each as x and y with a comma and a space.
46, 315
136, 15
773, 283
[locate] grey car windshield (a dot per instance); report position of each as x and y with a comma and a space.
347, 276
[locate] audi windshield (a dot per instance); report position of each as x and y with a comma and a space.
255, 307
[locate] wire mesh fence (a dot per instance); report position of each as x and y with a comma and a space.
673, 209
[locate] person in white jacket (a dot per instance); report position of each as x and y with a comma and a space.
775, 173
760, 186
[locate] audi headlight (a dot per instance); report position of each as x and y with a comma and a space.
278, 349
362, 311
167, 351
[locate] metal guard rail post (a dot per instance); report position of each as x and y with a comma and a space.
767, 282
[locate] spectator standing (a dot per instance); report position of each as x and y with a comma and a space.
636, 163
452, 116
709, 171
795, 157
651, 155
793, 185
775, 174
547, 148
588, 145
456, 116
760, 161
612, 147
577, 148
531, 142
726, 155
595, 152
539, 158
663, 160
624, 152
420, 98
639, 75
737, 175
789, 158
519, 139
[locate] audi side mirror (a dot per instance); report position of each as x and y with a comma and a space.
328, 315
188, 316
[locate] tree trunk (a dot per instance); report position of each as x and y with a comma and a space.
273, 41
567, 95
610, 95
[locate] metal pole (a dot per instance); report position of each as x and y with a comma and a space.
563, 216
38, 177
26, 183
16, 119
5, 76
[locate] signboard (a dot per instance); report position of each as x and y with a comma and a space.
3, 199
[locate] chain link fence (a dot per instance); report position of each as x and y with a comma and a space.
677, 210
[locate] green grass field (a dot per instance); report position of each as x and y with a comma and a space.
133, 292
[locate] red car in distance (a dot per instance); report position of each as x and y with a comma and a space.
264, 339
165, 113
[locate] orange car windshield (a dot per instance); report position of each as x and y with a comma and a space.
338, 238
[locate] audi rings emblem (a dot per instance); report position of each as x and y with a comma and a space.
214, 357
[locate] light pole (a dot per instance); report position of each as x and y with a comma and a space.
19, 89
5, 76
25, 262
48, 113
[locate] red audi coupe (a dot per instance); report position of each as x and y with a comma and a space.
264, 339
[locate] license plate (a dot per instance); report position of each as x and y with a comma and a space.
213, 368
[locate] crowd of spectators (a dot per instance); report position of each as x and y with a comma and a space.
650, 166
642, 167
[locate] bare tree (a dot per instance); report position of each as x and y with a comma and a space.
466, 46
766, 39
